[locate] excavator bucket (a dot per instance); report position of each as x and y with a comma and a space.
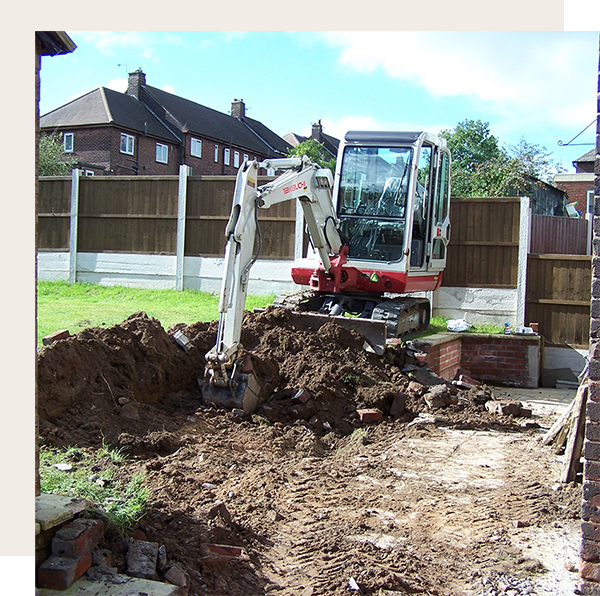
241, 391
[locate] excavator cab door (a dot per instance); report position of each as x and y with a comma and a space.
440, 214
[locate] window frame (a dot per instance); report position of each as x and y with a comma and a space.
227, 156
163, 149
216, 153
125, 137
236, 159
198, 144
71, 136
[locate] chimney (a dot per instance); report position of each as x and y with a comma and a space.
317, 132
238, 108
137, 80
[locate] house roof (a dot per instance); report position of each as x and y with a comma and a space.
588, 156
105, 106
196, 118
53, 43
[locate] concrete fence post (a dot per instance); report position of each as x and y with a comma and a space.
184, 172
524, 246
74, 224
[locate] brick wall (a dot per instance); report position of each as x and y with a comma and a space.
101, 146
444, 358
206, 165
576, 192
143, 162
589, 567
497, 360
508, 360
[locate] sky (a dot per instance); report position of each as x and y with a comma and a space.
539, 86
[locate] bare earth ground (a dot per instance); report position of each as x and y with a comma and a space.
455, 501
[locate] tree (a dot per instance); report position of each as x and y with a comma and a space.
471, 145
316, 152
482, 168
52, 159
536, 160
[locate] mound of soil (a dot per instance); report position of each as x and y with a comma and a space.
313, 493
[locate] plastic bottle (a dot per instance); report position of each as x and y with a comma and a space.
507, 329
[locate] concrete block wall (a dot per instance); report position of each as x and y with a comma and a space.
589, 567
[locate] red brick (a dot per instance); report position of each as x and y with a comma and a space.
58, 573
369, 415
57, 335
223, 550
590, 551
590, 571
590, 531
77, 538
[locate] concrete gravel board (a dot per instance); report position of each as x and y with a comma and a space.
132, 587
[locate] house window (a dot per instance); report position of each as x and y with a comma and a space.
127, 144
196, 148
236, 159
216, 153
245, 157
68, 142
162, 153
226, 155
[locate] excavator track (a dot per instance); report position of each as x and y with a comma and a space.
403, 317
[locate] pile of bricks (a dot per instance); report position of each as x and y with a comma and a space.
71, 557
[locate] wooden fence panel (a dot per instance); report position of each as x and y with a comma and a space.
558, 235
484, 243
558, 297
54, 212
208, 210
133, 215
139, 215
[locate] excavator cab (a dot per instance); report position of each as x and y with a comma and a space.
392, 192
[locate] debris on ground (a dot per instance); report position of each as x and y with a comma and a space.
354, 466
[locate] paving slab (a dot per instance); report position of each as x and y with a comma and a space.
132, 586
543, 401
53, 510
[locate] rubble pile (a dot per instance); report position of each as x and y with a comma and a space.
214, 475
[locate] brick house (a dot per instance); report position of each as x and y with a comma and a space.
330, 144
147, 131
580, 185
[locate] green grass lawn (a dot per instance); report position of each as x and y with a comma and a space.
61, 305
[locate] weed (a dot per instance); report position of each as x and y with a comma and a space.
95, 476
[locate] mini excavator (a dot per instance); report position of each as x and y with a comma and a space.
379, 231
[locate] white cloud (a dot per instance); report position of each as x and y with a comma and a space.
535, 75
109, 42
168, 89
118, 85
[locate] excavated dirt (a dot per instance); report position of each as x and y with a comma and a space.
448, 500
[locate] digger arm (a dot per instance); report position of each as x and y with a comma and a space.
301, 180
